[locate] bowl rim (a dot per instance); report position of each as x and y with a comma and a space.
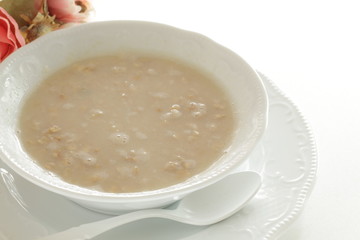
146, 195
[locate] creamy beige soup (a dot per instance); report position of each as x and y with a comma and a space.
126, 123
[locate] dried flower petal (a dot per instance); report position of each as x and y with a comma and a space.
69, 10
39, 26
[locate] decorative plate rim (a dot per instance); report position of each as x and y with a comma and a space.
309, 183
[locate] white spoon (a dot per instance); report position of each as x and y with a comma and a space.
204, 207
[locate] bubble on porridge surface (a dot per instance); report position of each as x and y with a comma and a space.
133, 155
85, 157
197, 109
68, 158
171, 134
119, 69
120, 138
176, 106
173, 113
95, 112
173, 166
132, 87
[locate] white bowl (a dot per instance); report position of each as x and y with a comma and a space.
21, 72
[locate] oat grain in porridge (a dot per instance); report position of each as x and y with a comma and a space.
126, 123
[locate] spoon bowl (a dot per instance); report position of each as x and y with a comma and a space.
203, 207
220, 200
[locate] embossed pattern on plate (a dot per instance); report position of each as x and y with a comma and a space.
286, 158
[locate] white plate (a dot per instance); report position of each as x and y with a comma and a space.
286, 158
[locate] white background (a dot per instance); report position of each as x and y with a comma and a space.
311, 50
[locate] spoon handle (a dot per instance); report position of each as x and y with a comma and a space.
91, 230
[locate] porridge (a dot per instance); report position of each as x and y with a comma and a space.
126, 123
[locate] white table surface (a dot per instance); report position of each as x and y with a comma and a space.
311, 50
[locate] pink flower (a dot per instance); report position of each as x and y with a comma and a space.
10, 36
69, 11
